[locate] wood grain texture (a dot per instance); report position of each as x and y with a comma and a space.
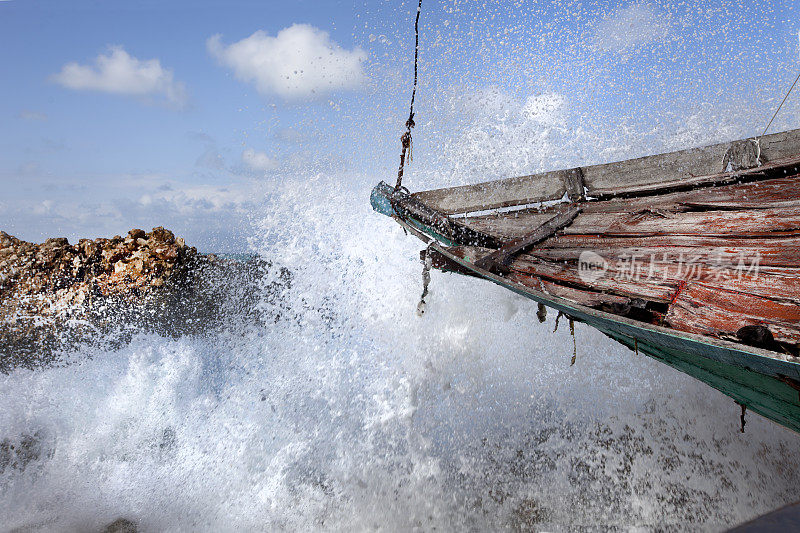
588, 298
703, 250
711, 310
544, 231
777, 252
496, 194
750, 222
694, 166
507, 226
659, 281
780, 192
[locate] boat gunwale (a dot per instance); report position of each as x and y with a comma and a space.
731, 351
596, 181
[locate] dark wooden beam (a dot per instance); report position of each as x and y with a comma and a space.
501, 256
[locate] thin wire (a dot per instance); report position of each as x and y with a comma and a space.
780, 106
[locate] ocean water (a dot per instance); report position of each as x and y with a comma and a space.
340, 408
344, 410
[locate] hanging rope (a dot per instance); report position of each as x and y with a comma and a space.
742, 421
574, 343
405, 139
558, 317
541, 313
427, 264
780, 106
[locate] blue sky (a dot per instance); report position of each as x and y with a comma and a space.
121, 114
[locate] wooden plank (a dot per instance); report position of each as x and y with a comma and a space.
659, 282
773, 256
777, 283
573, 180
777, 193
670, 182
686, 167
496, 194
612, 281
441, 262
753, 222
742, 155
778, 251
780, 192
654, 170
710, 310
525, 265
780, 145
582, 297
692, 167
546, 230
507, 226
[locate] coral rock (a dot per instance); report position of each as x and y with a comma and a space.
56, 282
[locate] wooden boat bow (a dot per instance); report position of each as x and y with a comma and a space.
695, 255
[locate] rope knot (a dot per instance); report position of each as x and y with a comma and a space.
405, 140
408, 145
410, 122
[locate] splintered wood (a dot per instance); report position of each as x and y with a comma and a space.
711, 260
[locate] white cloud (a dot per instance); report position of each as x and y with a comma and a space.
43, 207
120, 73
212, 212
258, 160
631, 26
35, 116
300, 62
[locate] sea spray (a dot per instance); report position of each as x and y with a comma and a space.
337, 408
345, 410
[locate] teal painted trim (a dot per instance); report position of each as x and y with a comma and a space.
428, 231
767, 396
379, 199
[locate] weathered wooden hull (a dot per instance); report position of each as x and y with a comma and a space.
687, 322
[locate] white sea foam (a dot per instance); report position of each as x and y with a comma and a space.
350, 412
347, 411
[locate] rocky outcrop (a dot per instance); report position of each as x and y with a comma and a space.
53, 293
55, 279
